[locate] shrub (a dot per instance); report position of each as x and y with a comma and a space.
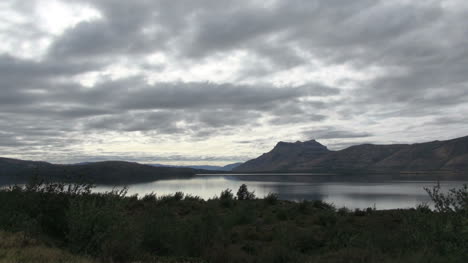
226, 195
423, 208
359, 212
189, 197
98, 225
244, 194
178, 196
319, 204
282, 215
149, 198
455, 200
271, 198
343, 211
327, 218
370, 210
304, 206
39, 185
226, 198
243, 214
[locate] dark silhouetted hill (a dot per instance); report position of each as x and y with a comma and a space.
108, 172
228, 167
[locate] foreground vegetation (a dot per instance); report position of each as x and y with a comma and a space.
67, 223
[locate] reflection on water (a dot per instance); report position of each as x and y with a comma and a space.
352, 192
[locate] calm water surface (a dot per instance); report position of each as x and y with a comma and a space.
385, 192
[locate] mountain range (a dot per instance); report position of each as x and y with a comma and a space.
310, 156
225, 168
450, 156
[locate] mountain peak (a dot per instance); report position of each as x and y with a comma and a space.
299, 144
442, 156
284, 155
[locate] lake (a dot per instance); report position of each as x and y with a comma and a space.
383, 192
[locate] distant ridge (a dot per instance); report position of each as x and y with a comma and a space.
228, 167
107, 172
450, 155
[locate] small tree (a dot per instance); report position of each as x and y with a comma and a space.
244, 194
226, 198
226, 195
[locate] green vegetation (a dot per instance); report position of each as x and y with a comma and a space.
18, 247
67, 223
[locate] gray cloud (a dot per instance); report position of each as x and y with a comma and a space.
334, 133
202, 95
418, 48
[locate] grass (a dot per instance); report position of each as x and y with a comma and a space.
53, 223
18, 247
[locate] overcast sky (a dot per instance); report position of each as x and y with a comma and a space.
216, 82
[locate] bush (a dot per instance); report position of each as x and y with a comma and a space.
178, 196
38, 185
226, 198
226, 195
454, 201
271, 198
189, 197
359, 212
343, 211
149, 198
319, 204
423, 208
113, 227
303, 206
244, 194
98, 225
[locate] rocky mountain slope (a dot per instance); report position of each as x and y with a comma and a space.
450, 155
285, 156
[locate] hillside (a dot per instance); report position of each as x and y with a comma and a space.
451, 155
284, 156
228, 167
113, 172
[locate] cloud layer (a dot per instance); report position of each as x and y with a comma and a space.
215, 80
